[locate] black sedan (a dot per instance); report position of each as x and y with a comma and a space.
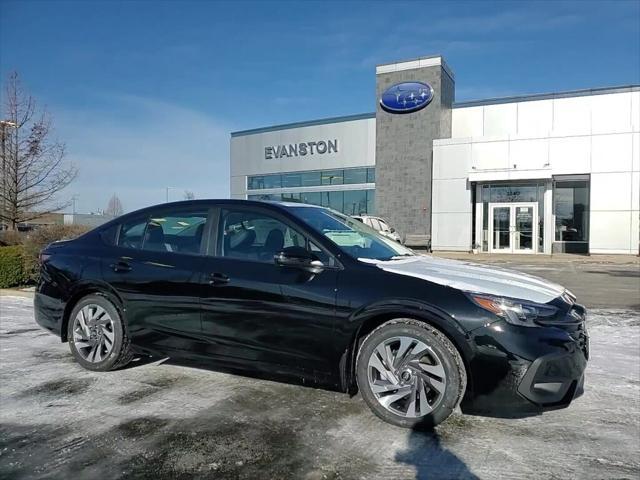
299, 292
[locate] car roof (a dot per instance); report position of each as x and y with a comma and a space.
211, 202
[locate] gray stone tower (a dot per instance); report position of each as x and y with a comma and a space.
404, 145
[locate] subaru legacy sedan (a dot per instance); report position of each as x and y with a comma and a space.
305, 294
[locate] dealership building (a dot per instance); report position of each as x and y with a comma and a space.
542, 173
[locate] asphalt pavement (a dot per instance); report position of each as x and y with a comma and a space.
161, 420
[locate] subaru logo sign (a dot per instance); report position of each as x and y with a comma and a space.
406, 97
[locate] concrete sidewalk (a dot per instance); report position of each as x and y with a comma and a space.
560, 258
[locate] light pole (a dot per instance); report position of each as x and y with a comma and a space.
3, 126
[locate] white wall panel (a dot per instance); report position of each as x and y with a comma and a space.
610, 113
635, 152
490, 155
356, 147
635, 111
451, 161
635, 191
451, 195
610, 191
239, 185
535, 119
572, 116
610, 231
529, 154
451, 231
570, 154
500, 120
635, 232
611, 153
467, 122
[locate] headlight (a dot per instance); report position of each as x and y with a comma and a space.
516, 312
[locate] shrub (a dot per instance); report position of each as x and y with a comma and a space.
12, 271
11, 237
36, 240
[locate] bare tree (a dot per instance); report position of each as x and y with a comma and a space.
34, 170
189, 195
114, 207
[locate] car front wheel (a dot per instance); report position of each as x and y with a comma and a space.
410, 374
96, 335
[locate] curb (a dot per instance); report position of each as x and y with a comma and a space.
10, 292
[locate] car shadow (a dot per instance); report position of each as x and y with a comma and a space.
431, 459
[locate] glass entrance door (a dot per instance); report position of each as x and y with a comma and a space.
513, 227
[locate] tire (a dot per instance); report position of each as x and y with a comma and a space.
418, 375
96, 334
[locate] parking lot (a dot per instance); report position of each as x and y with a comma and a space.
157, 419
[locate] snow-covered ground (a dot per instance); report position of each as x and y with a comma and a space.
158, 420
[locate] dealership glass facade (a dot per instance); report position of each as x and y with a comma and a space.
315, 178
351, 202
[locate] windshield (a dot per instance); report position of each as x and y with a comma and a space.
351, 236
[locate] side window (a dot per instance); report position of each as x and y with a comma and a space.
179, 231
383, 226
132, 234
109, 235
258, 236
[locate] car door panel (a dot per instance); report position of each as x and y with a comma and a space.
160, 288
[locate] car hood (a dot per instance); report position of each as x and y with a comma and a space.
473, 277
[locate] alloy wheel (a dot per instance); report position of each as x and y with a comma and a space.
93, 333
406, 376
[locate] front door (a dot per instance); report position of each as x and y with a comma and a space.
513, 227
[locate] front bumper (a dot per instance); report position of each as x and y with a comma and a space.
518, 371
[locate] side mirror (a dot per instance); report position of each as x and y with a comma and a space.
300, 258
392, 230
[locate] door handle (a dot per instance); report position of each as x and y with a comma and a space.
218, 279
120, 267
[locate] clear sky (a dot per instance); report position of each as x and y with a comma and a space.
145, 93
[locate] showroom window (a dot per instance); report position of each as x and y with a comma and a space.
571, 209
351, 202
346, 176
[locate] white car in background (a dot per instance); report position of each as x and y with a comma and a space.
380, 225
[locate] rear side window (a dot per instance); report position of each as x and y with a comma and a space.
132, 234
178, 232
109, 235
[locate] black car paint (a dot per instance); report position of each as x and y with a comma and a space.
261, 317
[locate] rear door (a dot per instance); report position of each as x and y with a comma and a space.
258, 313
155, 267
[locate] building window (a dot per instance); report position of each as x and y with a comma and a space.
355, 175
351, 202
332, 177
347, 176
355, 202
571, 209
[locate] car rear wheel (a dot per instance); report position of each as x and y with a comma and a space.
410, 374
97, 338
